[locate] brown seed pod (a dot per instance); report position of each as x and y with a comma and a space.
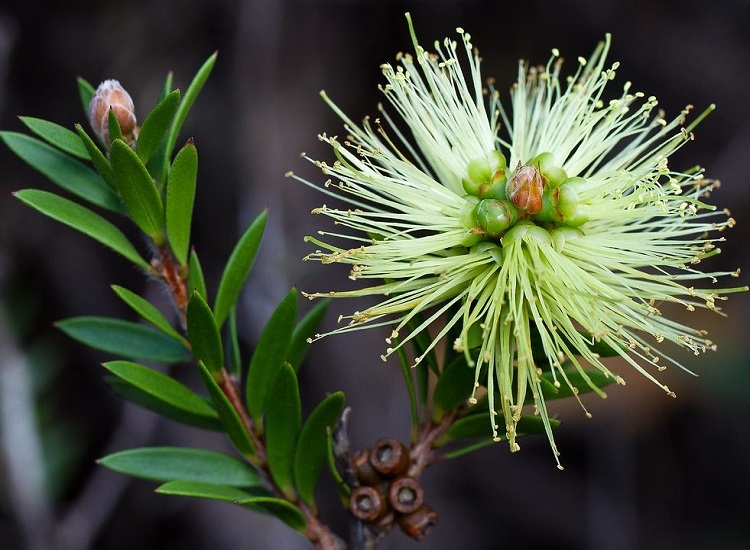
364, 471
111, 95
405, 494
367, 503
390, 457
419, 523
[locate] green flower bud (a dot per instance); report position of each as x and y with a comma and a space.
549, 211
527, 230
563, 234
547, 165
495, 251
525, 188
486, 176
495, 216
573, 212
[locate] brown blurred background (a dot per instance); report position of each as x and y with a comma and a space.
646, 472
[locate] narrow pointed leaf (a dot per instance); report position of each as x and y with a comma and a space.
113, 126
100, 162
270, 353
204, 336
82, 219
143, 398
305, 330
282, 509
68, 173
137, 189
187, 102
184, 464
453, 387
235, 359
212, 491
238, 268
147, 310
155, 126
85, 93
125, 339
231, 420
180, 199
162, 387
59, 136
196, 281
312, 445
283, 419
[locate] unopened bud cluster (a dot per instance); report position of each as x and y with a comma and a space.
111, 97
539, 191
386, 493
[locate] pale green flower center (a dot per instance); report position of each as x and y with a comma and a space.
538, 191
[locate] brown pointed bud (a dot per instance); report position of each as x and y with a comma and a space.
419, 523
405, 494
390, 457
364, 471
368, 504
525, 188
111, 95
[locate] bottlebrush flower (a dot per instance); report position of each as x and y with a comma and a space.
558, 219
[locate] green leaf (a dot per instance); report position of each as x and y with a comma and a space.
212, 491
125, 338
270, 353
101, 163
453, 387
231, 420
162, 387
82, 219
63, 170
155, 126
282, 509
57, 135
312, 445
180, 199
85, 93
148, 311
204, 336
196, 281
478, 425
184, 464
235, 359
145, 399
113, 126
137, 189
238, 268
283, 419
187, 102
305, 330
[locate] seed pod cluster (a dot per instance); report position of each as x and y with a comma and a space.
386, 493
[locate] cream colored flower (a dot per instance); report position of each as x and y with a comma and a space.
558, 219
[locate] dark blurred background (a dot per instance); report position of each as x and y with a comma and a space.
646, 472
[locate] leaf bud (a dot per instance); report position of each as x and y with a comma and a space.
110, 95
525, 188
